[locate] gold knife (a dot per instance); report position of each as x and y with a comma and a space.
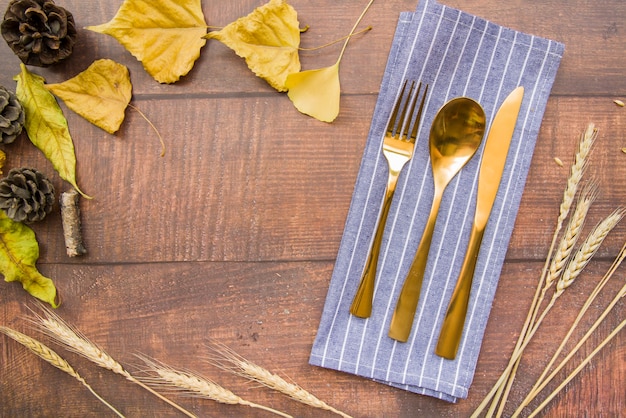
491, 168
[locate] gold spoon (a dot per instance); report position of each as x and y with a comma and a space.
455, 135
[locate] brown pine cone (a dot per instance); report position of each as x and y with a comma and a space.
26, 195
39, 32
11, 116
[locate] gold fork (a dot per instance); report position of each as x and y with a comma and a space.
398, 149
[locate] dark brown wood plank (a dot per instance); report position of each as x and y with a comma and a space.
233, 234
592, 64
268, 313
278, 186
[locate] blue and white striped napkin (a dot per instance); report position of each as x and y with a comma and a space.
457, 54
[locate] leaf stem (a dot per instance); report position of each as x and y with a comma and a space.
353, 29
336, 40
152, 126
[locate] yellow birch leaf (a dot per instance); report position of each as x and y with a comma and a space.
99, 94
46, 126
19, 252
268, 39
165, 35
316, 92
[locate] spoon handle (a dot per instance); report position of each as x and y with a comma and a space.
454, 321
362, 303
402, 320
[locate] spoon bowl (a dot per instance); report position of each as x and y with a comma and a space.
455, 135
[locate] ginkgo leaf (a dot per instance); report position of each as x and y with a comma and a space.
268, 39
46, 125
165, 35
99, 94
316, 92
19, 252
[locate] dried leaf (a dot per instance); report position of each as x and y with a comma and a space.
268, 39
46, 126
19, 252
316, 92
165, 35
100, 94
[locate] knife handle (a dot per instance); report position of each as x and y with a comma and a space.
454, 321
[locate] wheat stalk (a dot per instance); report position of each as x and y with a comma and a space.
230, 361
575, 266
499, 392
73, 340
579, 368
50, 356
195, 385
543, 381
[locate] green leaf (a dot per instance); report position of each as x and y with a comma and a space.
19, 252
46, 125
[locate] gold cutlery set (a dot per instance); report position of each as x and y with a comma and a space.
456, 134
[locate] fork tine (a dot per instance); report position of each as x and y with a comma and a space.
407, 116
392, 122
416, 123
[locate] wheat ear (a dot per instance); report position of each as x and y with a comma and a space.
195, 385
230, 361
56, 328
571, 235
49, 355
577, 169
587, 250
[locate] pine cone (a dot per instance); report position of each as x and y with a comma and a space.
11, 116
38, 31
26, 195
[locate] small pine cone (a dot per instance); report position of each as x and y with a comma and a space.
11, 116
26, 195
39, 32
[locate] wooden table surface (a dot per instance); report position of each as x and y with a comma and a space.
233, 234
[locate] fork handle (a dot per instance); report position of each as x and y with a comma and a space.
362, 303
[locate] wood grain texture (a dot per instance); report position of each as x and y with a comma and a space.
232, 235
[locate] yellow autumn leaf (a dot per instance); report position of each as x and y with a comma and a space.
268, 39
19, 252
316, 92
165, 35
99, 94
46, 126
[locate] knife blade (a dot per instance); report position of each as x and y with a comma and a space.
490, 175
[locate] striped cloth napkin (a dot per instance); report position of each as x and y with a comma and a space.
457, 54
